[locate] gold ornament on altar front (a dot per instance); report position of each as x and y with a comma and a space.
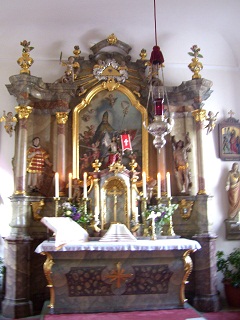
195, 66
25, 61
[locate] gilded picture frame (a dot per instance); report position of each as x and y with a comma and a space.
229, 139
123, 112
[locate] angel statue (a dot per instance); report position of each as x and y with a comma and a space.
72, 68
10, 121
211, 121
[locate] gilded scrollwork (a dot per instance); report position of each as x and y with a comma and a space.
188, 265
36, 209
185, 208
47, 268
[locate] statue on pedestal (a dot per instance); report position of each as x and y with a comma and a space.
37, 157
182, 171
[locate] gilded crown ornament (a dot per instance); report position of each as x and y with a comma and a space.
25, 61
195, 66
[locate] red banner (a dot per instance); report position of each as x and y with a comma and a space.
126, 142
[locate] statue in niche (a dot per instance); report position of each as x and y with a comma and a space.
37, 158
181, 165
233, 190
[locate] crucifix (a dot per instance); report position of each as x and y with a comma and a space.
115, 193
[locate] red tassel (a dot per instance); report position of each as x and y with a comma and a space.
156, 56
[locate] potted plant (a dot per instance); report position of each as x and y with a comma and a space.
230, 268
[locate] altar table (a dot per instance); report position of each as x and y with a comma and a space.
94, 276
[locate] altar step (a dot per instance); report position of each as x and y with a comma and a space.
189, 313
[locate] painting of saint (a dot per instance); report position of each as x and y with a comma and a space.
101, 124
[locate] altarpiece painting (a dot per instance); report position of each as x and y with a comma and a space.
101, 118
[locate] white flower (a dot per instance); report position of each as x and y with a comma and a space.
68, 212
154, 215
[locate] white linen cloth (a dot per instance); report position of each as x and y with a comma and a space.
66, 230
118, 232
139, 245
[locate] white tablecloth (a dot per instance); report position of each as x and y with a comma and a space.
139, 245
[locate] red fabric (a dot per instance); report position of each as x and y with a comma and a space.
176, 314
222, 315
126, 142
156, 56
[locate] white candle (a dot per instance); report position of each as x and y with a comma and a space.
56, 185
159, 185
144, 184
168, 185
85, 185
70, 185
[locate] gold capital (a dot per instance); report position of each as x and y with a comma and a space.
23, 111
199, 115
62, 117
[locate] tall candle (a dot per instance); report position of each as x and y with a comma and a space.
159, 185
85, 185
70, 185
144, 184
168, 185
56, 185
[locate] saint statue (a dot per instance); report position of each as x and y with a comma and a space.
233, 190
37, 157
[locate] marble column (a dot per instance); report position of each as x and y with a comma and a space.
16, 303
205, 275
199, 116
62, 118
20, 161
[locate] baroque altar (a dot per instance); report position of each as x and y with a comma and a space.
121, 276
79, 121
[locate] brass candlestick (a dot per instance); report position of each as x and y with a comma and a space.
170, 229
56, 199
143, 209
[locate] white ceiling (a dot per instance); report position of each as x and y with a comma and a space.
53, 26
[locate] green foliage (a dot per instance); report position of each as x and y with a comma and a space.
230, 266
195, 52
77, 212
162, 213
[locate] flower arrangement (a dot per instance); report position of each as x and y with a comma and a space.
160, 215
161, 212
77, 212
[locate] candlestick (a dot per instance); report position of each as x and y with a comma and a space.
70, 185
144, 184
159, 185
168, 185
85, 185
56, 185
